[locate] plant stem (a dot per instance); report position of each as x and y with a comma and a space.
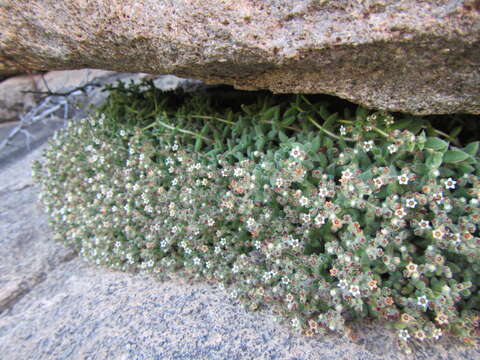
233, 123
447, 137
328, 132
380, 131
213, 118
177, 129
283, 127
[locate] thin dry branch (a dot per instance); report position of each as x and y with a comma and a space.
82, 88
38, 113
46, 108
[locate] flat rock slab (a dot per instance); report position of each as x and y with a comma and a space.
15, 103
21, 93
414, 56
55, 306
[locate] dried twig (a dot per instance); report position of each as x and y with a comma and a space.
45, 82
38, 113
82, 88
46, 108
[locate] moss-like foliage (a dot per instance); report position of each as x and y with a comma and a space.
321, 217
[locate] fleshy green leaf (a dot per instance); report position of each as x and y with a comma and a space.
322, 159
454, 133
323, 113
435, 143
315, 144
434, 160
330, 121
198, 144
272, 114
401, 124
287, 121
361, 113
421, 139
465, 168
455, 156
472, 148
282, 136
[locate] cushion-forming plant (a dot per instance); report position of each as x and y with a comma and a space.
321, 217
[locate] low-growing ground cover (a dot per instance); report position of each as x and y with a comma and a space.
324, 218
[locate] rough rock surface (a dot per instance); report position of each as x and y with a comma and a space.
16, 96
20, 93
15, 105
55, 306
415, 56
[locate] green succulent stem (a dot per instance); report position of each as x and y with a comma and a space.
329, 133
194, 134
212, 118
446, 136
374, 128
233, 123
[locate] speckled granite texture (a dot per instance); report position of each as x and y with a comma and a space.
416, 56
55, 306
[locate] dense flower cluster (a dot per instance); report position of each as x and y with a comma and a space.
355, 219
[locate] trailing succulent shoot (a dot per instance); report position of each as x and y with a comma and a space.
323, 219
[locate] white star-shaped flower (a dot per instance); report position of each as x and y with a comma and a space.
392, 148
450, 183
403, 179
424, 224
368, 145
423, 302
411, 203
